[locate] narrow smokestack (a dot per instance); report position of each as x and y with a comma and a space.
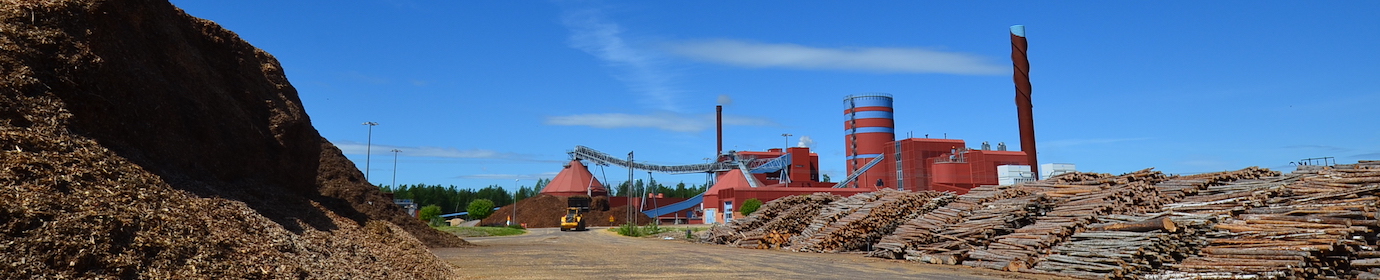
1024, 113
719, 123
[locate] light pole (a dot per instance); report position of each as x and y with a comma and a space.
630, 219
395, 167
368, 144
708, 176
655, 191
784, 176
515, 193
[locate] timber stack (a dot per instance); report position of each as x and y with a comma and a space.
777, 231
833, 212
1126, 245
780, 216
922, 230
1322, 225
1076, 204
864, 227
1318, 222
952, 243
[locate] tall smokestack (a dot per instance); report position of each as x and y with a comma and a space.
719, 123
1024, 114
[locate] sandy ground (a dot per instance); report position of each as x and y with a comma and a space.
548, 253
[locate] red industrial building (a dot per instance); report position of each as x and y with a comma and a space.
878, 159
910, 164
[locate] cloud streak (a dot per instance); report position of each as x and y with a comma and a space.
1081, 142
640, 70
355, 148
1370, 156
1318, 147
546, 175
663, 121
898, 60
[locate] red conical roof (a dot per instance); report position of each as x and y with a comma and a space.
572, 181
733, 179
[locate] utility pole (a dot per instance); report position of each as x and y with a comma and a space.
655, 192
785, 172
395, 168
629, 190
368, 144
515, 193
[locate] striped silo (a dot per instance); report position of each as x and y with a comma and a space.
868, 127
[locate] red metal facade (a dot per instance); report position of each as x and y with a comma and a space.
944, 165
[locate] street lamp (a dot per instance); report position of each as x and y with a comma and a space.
515, 200
784, 176
368, 143
395, 167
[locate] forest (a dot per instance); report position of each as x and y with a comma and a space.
454, 199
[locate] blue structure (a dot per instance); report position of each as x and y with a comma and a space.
675, 207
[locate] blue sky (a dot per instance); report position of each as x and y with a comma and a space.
487, 92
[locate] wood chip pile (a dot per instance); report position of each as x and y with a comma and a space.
140, 142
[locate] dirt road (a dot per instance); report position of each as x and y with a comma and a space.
551, 254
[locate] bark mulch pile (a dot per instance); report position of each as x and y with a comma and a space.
544, 210
137, 141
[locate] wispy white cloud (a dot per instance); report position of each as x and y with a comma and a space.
640, 70
1081, 142
546, 175
355, 148
663, 121
1318, 147
1369, 156
904, 60
359, 77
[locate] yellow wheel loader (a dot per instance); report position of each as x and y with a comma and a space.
576, 207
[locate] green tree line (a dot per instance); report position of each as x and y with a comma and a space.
452, 199
680, 190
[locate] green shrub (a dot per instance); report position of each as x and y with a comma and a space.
480, 209
749, 206
430, 213
628, 229
636, 231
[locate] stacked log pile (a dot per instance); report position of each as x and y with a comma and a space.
782, 216
866, 226
777, 232
1147, 251
1253, 223
951, 244
1126, 245
921, 230
1190, 185
1077, 205
835, 211
1322, 225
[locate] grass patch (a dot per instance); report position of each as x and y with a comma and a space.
630, 229
481, 231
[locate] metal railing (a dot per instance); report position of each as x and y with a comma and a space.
586, 153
